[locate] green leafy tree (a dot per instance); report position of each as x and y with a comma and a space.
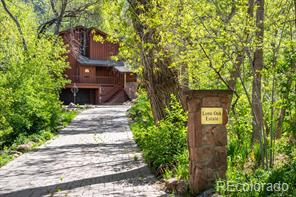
31, 74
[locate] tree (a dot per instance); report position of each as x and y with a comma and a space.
15, 20
69, 12
160, 80
210, 45
30, 78
257, 69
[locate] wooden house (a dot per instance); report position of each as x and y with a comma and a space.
94, 76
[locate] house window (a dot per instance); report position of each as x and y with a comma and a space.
86, 70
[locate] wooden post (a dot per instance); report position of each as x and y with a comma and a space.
124, 80
100, 94
207, 136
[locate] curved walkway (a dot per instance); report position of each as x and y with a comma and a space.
94, 156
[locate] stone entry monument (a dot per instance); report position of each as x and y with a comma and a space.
207, 136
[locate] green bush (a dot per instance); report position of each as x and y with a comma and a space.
141, 111
37, 138
30, 80
164, 144
67, 117
284, 171
239, 133
182, 169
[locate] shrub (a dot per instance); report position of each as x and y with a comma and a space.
30, 80
36, 138
285, 174
164, 144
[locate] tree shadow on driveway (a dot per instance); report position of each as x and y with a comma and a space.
136, 176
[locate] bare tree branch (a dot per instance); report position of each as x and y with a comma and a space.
52, 4
220, 76
64, 13
60, 16
16, 23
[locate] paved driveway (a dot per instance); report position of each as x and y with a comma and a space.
94, 156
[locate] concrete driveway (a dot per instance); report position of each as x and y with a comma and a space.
94, 156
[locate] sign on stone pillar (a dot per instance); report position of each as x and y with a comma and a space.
207, 136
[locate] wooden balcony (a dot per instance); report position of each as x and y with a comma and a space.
100, 80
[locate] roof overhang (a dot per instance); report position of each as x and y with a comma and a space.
86, 61
122, 69
118, 65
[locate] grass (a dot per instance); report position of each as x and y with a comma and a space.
10, 152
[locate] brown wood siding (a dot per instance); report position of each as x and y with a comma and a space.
105, 75
87, 77
105, 71
101, 51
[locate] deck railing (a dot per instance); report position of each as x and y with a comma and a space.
92, 79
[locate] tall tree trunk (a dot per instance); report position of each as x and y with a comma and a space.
257, 68
160, 81
234, 73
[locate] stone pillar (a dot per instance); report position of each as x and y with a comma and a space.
207, 136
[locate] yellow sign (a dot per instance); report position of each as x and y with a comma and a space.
211, 115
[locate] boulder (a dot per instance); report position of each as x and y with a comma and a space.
181, 187
24, 147
209, 193
171, 184
176, 186
71, 105
15, 153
